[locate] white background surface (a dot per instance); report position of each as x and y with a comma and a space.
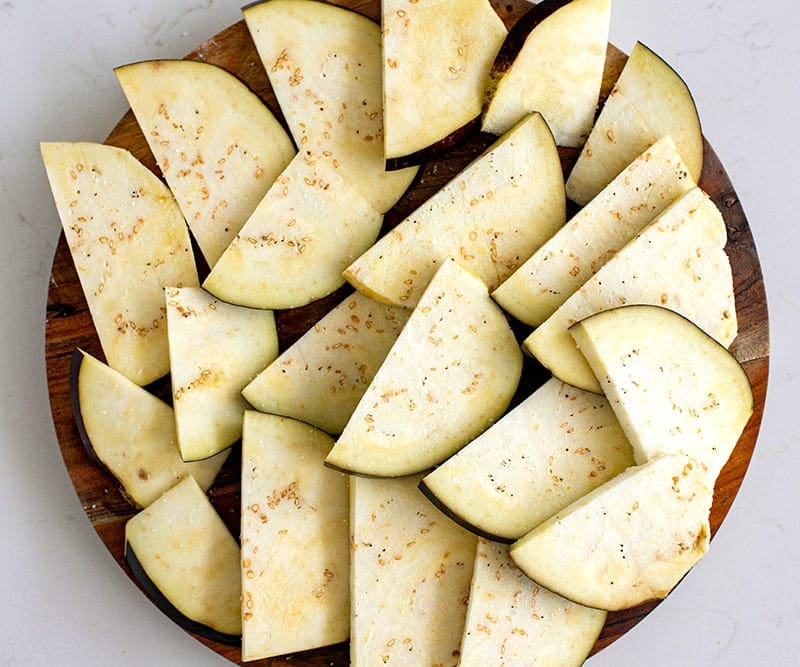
64, 601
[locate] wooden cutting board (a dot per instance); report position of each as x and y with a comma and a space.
69, 324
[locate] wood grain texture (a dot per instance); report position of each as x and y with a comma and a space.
69, 325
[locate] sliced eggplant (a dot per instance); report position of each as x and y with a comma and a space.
629, 541
217, 144
673, 387
215, 349
648, 101
578, 250
554, 447
491, 217
552, 62
131, 432
410, 572
292, 250
295, 539
442, 51
182, 552
324, 64
128, 240
322, 376
512, 620
452, 371
677, 261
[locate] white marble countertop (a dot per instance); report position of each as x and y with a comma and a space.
63, 600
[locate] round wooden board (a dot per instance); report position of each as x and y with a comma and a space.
69, 324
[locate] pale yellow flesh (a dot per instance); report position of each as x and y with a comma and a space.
128, 240
451, 372
628, 541
491, 217
648, 101
190, 555
292, 250
556, 446
295, 540
217, 144
322, 376
324, 64
436, 59
133, 434
215, 350
674, 388
558, 72
513, 620
410, 575
677, 261
595, 234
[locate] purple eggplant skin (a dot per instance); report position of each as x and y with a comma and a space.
168, 609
